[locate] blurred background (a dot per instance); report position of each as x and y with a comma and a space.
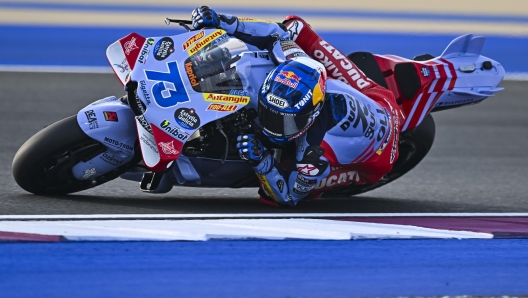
74, 34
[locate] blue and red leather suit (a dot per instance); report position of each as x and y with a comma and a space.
355, 137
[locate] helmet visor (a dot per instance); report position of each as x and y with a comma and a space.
282, 125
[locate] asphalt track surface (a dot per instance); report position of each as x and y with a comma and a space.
477, 164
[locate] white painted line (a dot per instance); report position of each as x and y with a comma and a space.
246, 215
202, 230
516, 76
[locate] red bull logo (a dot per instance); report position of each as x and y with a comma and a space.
287, 78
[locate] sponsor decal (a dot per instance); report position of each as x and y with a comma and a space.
130, 46
169, 90
266, 187
395, 139
117, 144
333, 55
168, 148
193, 39
220, 39
163, 48
110, 116
143, 87
144, 123
187, 118
221, 107
150, 41
456, 102
338, 177
174, 131
425, 71
143, 55
238, 92
287, 78
294, 28
358, 113
263, 56
302, 185
276, 101
205, 41
88, 173
190, 74
147, 141
111, 159
250, 20
92, 119
104, 100
123, 66
226, 98
300, 133
280, 185
304, 100
382, 147
307, 169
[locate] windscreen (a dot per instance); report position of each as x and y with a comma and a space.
210, 70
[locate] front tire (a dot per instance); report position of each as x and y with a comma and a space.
44, 162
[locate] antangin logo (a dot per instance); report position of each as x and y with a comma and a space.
225, 98
207, 40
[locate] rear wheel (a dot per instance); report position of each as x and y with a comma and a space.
43, 165
413, 147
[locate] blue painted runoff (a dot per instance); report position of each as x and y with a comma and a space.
363, 268
86, 46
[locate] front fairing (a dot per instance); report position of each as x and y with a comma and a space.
184, 82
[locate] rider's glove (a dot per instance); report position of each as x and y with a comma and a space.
204, 17
251, 149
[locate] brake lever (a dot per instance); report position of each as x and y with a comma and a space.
182, 23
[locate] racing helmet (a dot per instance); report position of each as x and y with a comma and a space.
290, 99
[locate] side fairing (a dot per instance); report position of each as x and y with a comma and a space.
112, 123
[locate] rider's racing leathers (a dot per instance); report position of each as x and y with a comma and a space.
353, 140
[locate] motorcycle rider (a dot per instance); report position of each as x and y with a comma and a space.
345, 126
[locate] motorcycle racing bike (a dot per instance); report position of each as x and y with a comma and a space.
188, 98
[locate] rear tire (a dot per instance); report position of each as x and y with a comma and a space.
43, 164
413, 147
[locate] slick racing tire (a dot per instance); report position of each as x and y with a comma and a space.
413, 147
43, 165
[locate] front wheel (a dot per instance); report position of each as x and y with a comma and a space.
43, 165
413, 147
